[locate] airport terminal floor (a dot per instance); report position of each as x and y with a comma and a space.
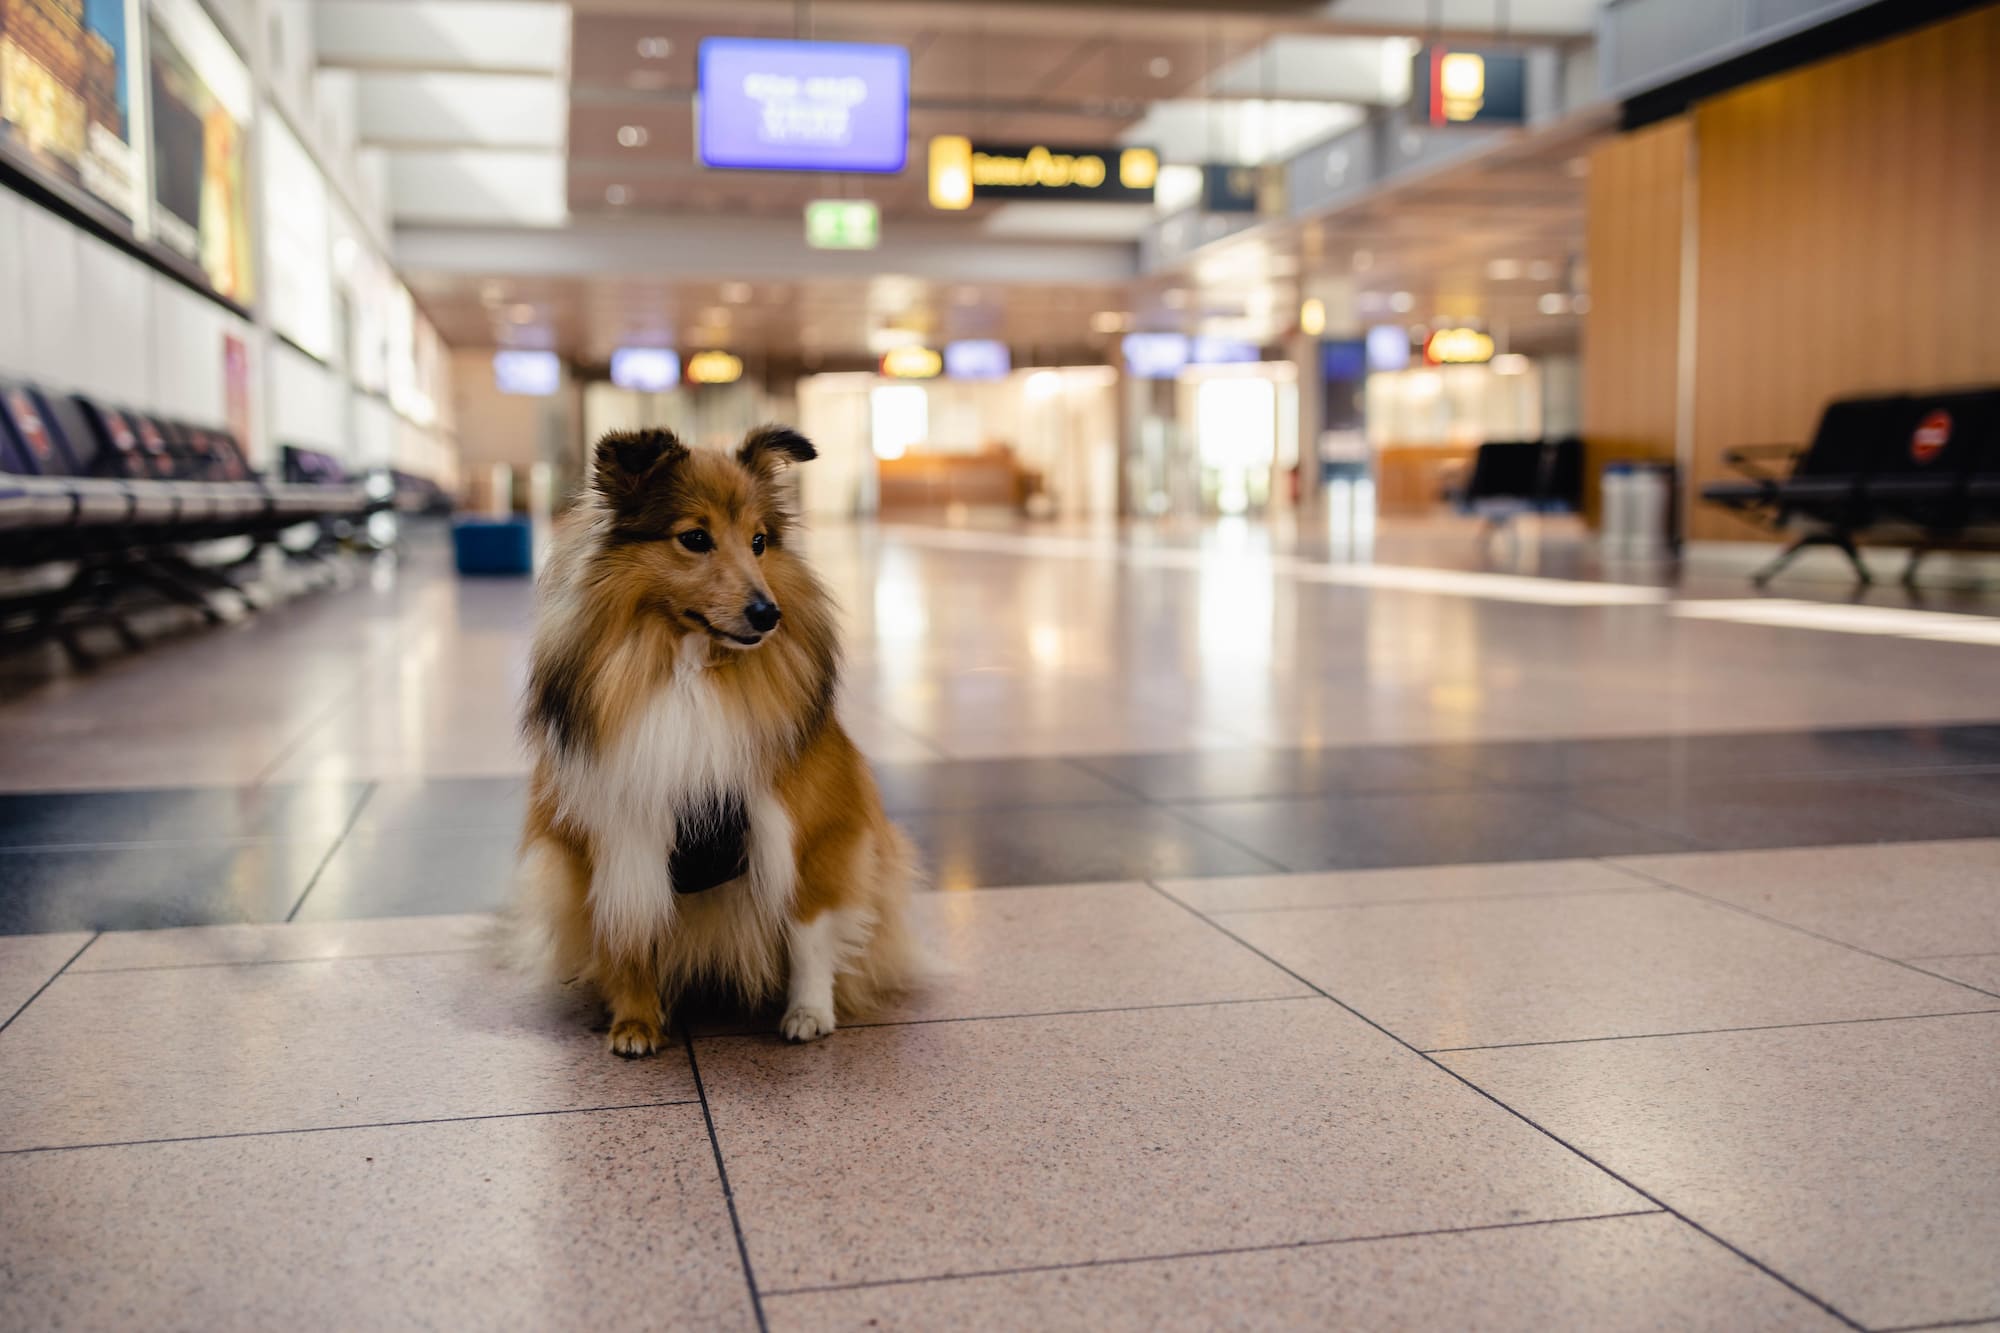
1320, 942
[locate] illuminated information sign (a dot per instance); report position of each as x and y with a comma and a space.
803, 106
962, 171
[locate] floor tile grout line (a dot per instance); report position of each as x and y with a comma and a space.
722, 1175
266, 962
336, 1129
1525, 1119
1190, 821
1708, 1032
353, 818
94, 937
1699, 896
1976, 1321
1018, 1017
1280, 1247
1604, 891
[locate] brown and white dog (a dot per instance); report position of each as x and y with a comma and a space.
698, 818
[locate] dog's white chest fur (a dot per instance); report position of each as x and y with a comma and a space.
679, 751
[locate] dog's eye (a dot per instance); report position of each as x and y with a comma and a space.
697, 540
757, 544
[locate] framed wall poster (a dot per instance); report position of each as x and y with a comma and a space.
236, 387
65, 97
201, 107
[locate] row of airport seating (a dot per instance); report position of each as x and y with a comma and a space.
120, 508
1918, 467
77, 475
1514, 477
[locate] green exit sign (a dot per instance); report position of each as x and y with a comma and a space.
843, 224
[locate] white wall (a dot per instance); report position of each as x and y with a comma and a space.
89, 318
307, 405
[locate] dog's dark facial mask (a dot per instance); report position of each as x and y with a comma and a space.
711, 846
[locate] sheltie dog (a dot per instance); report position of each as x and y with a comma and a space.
698, 819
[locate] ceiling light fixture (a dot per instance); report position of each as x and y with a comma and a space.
617, 194
1552, 303
1503, 270
1402, 302
655, 48
633, 136
1159, 67
736, 293
1110, 321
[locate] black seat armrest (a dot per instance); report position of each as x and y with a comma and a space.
1753, 461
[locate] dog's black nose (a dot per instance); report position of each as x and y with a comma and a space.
762, 615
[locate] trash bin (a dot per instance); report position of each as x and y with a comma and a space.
494, 545
1638, 509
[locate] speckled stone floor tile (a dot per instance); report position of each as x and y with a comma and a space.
1901, 899
1347, 888
1855, 1159
1645, 1272
299, 941
108, 1057
951, 1148
1484, 972
1062, 948
1977, 969
613, 1220
28, 961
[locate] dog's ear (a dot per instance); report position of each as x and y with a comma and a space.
630, 462
767, 446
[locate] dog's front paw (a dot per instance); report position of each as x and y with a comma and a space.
805, 1023
634, 1037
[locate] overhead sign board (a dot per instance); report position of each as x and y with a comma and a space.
646, 369
714, 368
1209, 351
1155, 356
912, 363
1466, 87
1226, 189
1458, 347
962, 171
977, 359
803, 106
843, 224
536, 374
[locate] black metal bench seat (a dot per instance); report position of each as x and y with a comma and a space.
1921, 467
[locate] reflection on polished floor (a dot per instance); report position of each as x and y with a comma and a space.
1327, 943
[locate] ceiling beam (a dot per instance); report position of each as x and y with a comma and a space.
752, 249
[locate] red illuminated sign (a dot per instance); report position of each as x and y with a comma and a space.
1931, 436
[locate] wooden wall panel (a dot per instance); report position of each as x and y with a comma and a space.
1638, 183
1848, 239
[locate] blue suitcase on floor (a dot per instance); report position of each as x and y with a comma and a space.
494, 545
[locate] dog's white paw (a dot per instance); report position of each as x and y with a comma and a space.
804, 1023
